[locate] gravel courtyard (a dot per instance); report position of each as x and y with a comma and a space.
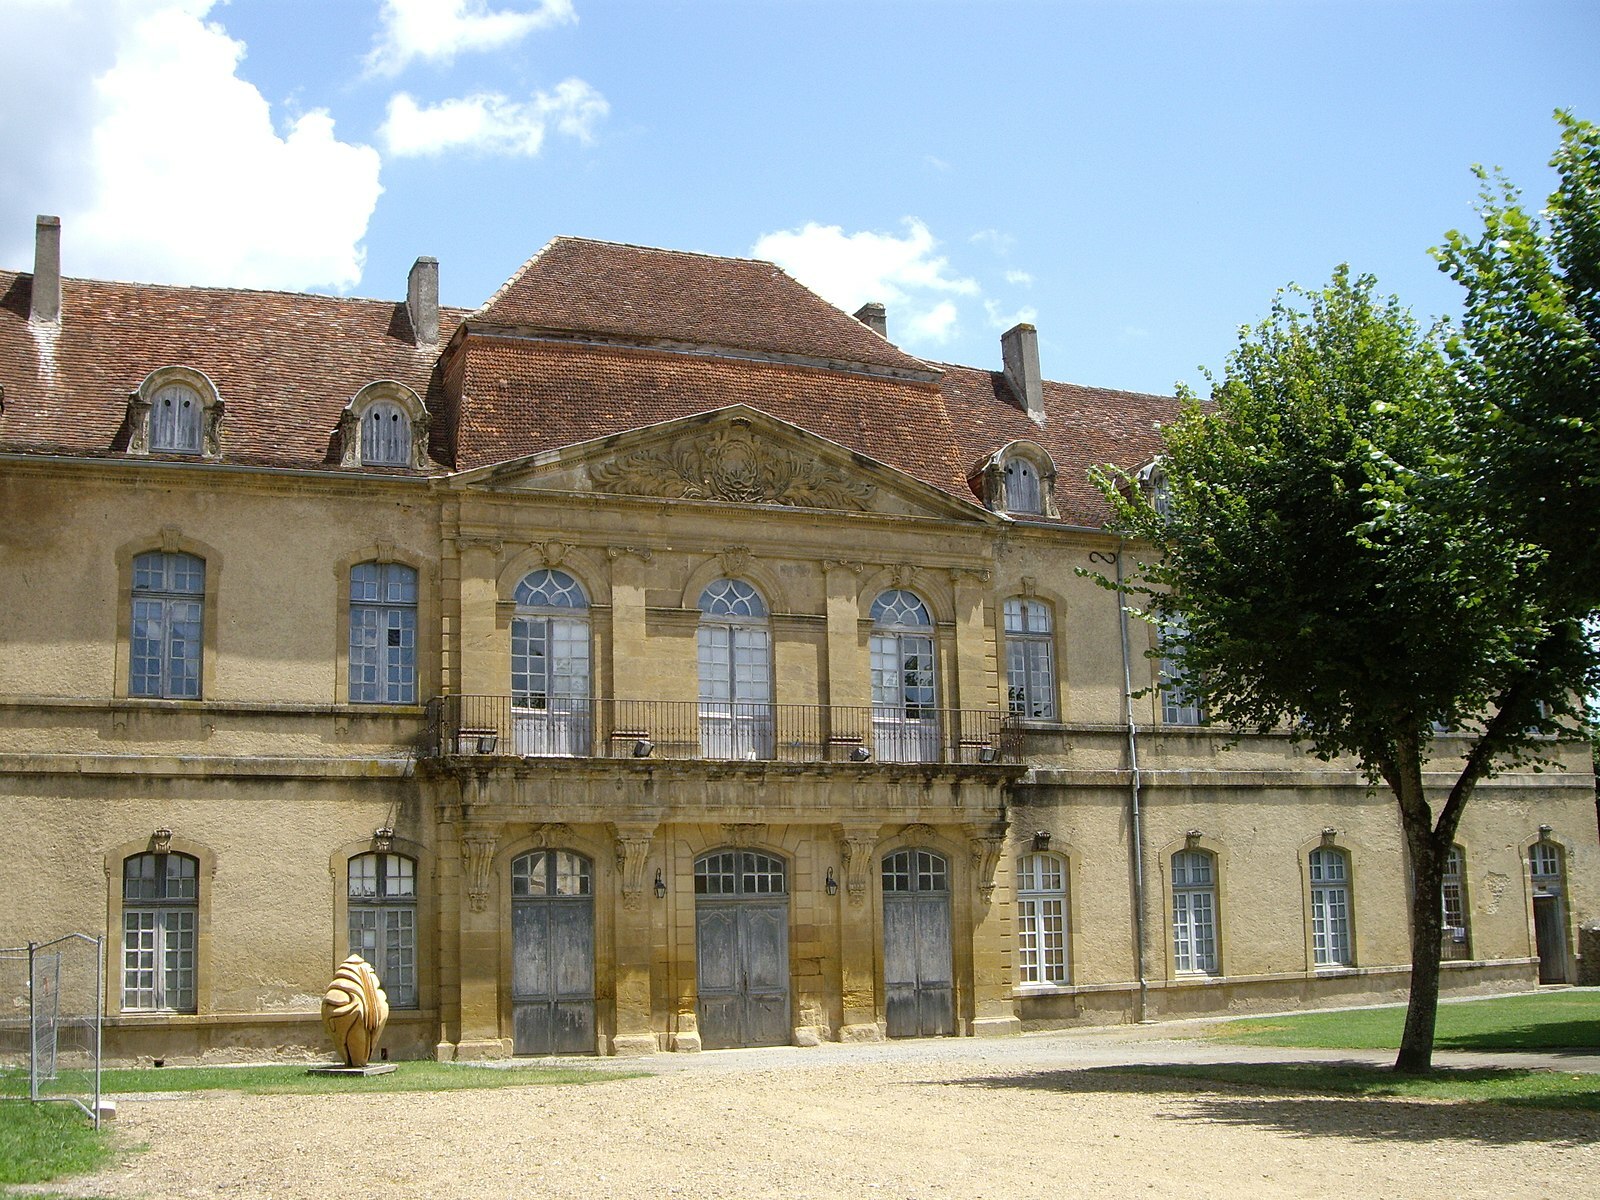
946, 1119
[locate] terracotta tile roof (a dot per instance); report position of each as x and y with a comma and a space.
285, 364
643, 295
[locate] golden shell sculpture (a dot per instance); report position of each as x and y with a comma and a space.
355, 1010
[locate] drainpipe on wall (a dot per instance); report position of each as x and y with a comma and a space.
1136, 821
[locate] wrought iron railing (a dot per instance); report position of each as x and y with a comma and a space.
557, 727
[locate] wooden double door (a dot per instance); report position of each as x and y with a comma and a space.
918, 974
552, 953
741, 916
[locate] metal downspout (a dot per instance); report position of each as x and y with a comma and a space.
1136, 819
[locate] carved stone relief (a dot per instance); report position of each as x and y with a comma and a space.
858, 844
730, 465
987, 844
744, 834
477, 856
633, 848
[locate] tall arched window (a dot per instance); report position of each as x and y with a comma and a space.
383, 921
1457, 942
1042, 919
160, 900
177, 418
1030, 660
1194, 912
905, 725
735, 650
550, 665
1331, 945
166, 632
1022, 487
383, 634
385, 435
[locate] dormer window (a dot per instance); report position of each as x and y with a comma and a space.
1018, 478
385, 436
1152, 479
175, 422
176, 410
384, 425
1022, 487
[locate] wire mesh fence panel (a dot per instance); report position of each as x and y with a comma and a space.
51, 999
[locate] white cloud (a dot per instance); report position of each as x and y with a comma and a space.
1000, 243
1026, 315
1020, 278
850, 269
491, 123
167, 165
438, 30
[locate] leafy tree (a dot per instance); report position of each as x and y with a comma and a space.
1375, 531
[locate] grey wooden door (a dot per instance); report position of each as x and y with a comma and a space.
741, 912
552, 956
1550, 935
919, 999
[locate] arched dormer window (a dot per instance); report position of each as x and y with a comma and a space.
176, 410
1018, 478
1152, 480
384, 425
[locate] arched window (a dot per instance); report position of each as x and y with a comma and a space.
550, 665
735, 651
1030, 660
383, 634
1022, 487
1331, 945
1194, 912
166, 630
905, 725
1042, 919
160, 900
1457, 942
385, 435
177, 419
383, 921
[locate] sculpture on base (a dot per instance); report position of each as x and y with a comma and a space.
354, 1010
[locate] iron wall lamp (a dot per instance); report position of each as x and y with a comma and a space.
661, 886
831, 884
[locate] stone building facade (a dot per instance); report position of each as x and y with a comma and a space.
654, 658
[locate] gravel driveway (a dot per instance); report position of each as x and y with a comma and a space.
954, 1118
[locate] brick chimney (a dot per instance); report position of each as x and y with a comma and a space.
422, 301
44, 306
875, 317
1019, 355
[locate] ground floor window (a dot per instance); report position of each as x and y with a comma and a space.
1194, 912
1330, 909
1042, 919
383, 921
160, 903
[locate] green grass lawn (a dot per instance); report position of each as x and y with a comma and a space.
41, 1142
1537, 1021
1524, 1088
294, 1080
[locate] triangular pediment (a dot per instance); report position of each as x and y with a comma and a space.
733, 455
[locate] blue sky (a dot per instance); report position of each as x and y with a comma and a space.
1134, 177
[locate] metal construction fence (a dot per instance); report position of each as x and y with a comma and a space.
52, 997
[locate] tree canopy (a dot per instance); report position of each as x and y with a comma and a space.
1375, 530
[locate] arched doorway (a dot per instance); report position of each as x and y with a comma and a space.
552, 953
741, 918
919, 998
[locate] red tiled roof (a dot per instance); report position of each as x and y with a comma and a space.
285, 364
637, 294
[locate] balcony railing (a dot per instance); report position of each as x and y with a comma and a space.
554, 727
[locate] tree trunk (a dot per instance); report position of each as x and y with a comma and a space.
1427, 931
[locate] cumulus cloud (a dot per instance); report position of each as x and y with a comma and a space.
904, 272
438, 30
169, 166
490, 123
1000, 319
1020, 278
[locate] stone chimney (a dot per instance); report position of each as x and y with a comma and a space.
422, 301
1019, 354
875, 317
45, 304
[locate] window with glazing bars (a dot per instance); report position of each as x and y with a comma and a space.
383, 634
383, 921
165, 634
1178, 707
1042, 919
1194, 912
1330, 909
160, 901
1456, 944
1030, 660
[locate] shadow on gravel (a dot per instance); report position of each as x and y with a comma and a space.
1349, 1112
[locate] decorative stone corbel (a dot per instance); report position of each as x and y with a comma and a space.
735, 560
494, 545
902, 574
349, 437
171, 539
981, 574
858, 844
642, 554
477, 856
138, 423
551, 833
551, 554
988, 842
919, 832
1029, 586
211, 435
843, 564
633, 848
420, 424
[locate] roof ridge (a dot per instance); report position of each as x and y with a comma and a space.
153, 285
